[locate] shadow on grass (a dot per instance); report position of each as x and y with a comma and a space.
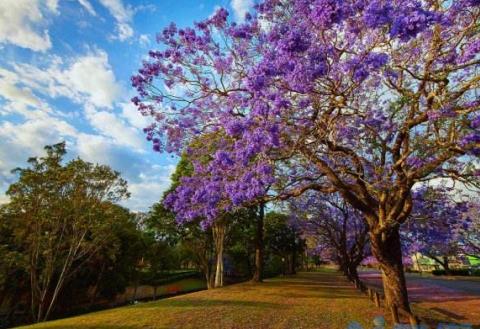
96, 326
194, 302
440, 315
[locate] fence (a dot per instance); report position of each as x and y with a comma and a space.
377, 296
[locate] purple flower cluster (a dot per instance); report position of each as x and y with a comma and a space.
412, 20
378, 14
437, 222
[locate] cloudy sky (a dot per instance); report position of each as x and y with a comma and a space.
64, 75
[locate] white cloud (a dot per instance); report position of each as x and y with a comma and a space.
150, 188
123, 16
23, 140
88, 6
19, 100
94, 148
52, 5
21, 23
131, 114
112, 126
146, 181
88, 79
240, 8
92, 75
144, 40
11, 92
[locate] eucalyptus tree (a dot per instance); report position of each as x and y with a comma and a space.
62, 214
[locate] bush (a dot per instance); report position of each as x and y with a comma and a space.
459, 272
475, 272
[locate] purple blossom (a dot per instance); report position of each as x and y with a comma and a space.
411, 20
378, 14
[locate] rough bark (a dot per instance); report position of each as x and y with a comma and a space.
259, 246
386, 247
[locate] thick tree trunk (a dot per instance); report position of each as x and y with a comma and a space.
387, 249
258, 274
218, 230
353, 273
342, 267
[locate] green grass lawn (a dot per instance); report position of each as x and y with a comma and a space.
181, 286
308, 300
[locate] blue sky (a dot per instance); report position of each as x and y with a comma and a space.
65, 67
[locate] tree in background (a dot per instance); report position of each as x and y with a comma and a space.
197, 243
61, 215
114, 267
194, 244
283, 244
13, 264
259, 243
438, 225
199, 153
336, 228
471, 234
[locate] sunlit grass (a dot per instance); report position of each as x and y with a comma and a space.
309, 300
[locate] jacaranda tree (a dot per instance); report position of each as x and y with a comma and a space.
334, 226
439, 225
365, 98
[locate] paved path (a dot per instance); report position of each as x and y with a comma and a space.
457, 299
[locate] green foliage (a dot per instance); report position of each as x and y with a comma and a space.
283, 245
458, 272
60, 216
184, 169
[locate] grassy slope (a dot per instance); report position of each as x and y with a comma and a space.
308, 300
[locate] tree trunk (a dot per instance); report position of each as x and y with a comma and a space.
218, 230
293, 263
443, 261
343, 267
387, 249
446, 265
353, 273
209, 276
219, 269
418, 264
258, 274
93, 298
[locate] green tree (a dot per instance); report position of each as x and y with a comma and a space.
62, 215
282, 243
